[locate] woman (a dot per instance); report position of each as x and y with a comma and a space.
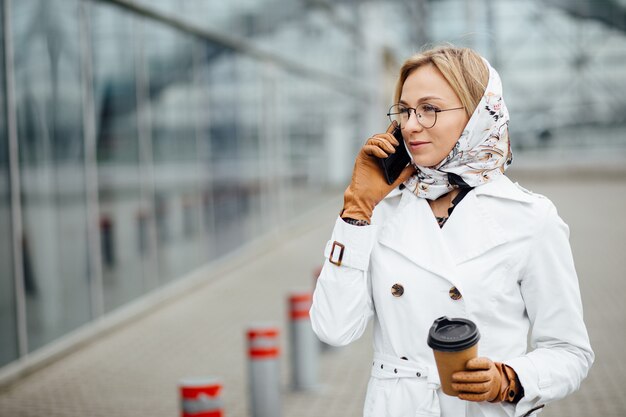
453, 236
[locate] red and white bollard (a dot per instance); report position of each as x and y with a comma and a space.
304, 344
200, 397
264, 371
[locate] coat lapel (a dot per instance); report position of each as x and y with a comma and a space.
472, 230
414, 233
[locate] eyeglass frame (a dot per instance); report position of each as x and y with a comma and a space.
415, 113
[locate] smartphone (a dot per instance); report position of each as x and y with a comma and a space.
395, 163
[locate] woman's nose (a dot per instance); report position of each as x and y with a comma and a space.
412, 124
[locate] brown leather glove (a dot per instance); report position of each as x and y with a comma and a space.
368, 186
485, 380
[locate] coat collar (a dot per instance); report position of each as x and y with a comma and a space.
471, 231
503, 187
395, 192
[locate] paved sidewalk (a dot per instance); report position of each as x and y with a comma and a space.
134, 370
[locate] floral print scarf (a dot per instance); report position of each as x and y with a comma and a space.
480, 155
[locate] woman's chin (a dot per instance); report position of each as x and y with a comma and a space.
425, 161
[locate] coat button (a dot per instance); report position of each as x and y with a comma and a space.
397, 290
455, 294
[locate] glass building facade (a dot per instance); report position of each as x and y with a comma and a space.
141, 140
143, 149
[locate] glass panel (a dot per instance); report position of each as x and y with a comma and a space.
8, 324
248, 113
169, 58
203, 53
49, 111
227, 167
321, 134
124, 214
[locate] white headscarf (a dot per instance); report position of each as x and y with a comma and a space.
478, 155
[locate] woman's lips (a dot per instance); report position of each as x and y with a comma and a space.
417, 144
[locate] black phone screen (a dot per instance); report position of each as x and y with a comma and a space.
395, 163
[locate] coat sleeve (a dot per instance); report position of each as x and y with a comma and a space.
342, 301
561, 354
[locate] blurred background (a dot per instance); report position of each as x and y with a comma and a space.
142, 140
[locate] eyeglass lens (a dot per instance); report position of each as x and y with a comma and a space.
426, 115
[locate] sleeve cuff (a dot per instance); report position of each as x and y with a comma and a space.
357, 242
529, 379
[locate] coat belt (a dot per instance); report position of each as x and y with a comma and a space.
390, 367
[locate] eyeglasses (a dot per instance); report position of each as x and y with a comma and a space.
426, 114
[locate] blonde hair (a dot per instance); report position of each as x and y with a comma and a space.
463, 68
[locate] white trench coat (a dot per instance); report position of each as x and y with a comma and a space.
502, 260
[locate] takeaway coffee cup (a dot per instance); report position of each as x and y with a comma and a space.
454, 341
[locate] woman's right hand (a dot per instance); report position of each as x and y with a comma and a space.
368, 186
